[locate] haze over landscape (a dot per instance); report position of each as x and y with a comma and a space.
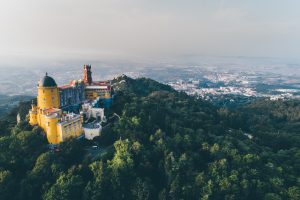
36, 31
224, 47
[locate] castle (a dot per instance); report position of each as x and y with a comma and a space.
54, 111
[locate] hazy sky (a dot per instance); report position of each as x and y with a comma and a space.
149, 28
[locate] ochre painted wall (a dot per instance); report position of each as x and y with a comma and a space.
48, 97
51, 124
67, 130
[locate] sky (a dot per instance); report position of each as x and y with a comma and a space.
148, 29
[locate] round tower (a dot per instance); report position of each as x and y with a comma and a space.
33, 115
51, 129
48, 94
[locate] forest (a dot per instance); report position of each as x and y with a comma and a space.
166, 145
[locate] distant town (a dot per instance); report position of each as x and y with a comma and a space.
236, 84
208, 80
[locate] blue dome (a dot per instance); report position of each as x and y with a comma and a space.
48, 81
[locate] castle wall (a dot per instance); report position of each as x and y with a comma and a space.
70, 128
92, 132
48, 97
51, 130
94, 92
71, 95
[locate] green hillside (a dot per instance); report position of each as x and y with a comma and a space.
166, 145
7, 103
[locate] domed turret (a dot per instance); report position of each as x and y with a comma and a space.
47, 81
48, 93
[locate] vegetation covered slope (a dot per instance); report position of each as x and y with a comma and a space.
166, 145
7, 103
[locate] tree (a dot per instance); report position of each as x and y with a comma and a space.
68, 186
39, 176
7, 185
121, 167
142, 190
98, 187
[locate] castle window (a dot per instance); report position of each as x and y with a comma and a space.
48, 123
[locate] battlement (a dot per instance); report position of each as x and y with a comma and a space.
66, 118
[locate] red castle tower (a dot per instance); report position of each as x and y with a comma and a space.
87, 76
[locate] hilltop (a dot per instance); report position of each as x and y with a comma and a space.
165, 145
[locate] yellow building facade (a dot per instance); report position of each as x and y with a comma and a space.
58, 126
98, 90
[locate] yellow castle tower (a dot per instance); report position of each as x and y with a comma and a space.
48, 94
49, 117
